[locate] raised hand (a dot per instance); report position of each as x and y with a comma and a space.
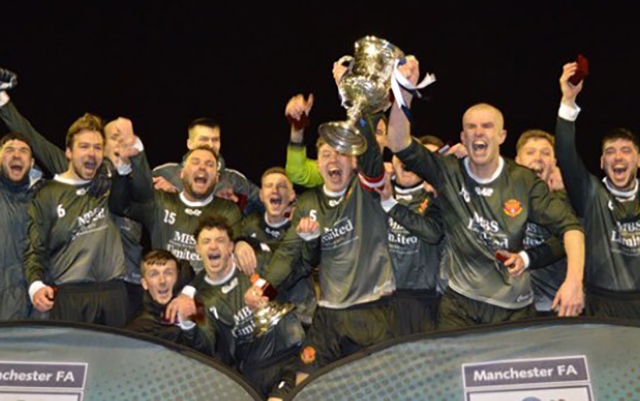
308, 228
8, 80
126, 139
162, 184
569, 90
297, 111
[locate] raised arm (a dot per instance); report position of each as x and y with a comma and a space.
47, 155
575, 175
300, 170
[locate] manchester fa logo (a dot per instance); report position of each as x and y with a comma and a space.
512, 207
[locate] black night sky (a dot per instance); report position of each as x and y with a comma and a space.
164, 64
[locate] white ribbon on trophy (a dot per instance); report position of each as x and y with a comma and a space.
398, 81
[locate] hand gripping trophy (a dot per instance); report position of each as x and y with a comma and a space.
364, 89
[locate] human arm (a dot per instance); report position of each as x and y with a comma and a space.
300, 170
38, 228
575, 175
48, 155
569, 298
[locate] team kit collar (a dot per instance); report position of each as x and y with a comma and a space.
71, 181
408, 191
484, 180
623, 196
332, 194
196, 203
224, 279
275, 225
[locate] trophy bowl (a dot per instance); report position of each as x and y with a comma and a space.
269, 315
364, 89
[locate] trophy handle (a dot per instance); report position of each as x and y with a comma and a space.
346, 61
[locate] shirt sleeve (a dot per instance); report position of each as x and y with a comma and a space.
301, 170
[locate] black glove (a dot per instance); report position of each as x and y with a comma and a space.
8, 80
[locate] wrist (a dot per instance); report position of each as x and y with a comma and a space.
297, 136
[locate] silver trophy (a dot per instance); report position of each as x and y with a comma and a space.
270, 312
269, 315
364, 89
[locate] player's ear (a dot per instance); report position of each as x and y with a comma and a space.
502, 136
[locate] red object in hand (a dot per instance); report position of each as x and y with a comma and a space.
581, 72
55, 292
502, 256
266, 287
199, 316
302, 123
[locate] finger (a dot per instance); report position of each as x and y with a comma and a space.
556, 301
170, 313
309, 104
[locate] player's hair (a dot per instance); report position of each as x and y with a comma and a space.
202, 147
11, 136
274, 170
157, 257
431, 140
211, 223
88, 122
534, 134
620, 133
204, 122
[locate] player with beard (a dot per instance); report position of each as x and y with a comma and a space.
269, 228
17, 189
53, 160
74, 261
231, 184
486, 202
171, 218
545, 255
610, 209
340, 224
267, 361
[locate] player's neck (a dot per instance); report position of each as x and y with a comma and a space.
72, 175
275, 220
485, 171
223, 275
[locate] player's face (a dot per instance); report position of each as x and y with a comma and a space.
86, 154
16, 160
620, 162
202, 135
538, 155
336, 169
276, 193
159, 279
482, 134
216, 250
404, 177
199, 174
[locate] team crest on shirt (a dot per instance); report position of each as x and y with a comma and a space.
423, 206
308, 355
512, 207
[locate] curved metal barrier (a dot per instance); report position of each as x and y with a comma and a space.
543, 360
62, 362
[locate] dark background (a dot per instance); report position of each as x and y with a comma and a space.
163, 65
